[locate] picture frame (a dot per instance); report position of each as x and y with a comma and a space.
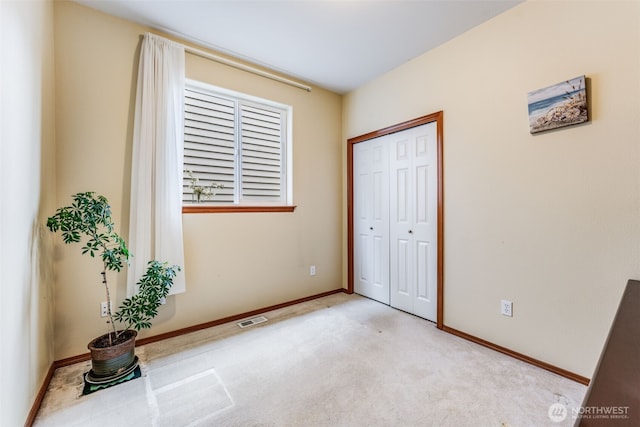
559, 105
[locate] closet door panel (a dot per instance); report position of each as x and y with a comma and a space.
425, 221
401, 221
371, 220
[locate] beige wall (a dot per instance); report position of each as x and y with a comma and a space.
234, 262
27, 188
550, 222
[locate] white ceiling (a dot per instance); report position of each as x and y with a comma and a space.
338, 45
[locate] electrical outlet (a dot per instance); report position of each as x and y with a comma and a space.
312, 270
506, 308
103, 309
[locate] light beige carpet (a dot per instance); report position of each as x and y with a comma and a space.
341, 360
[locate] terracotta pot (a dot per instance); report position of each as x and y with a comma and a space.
112, 360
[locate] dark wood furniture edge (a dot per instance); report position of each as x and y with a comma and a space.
614, 385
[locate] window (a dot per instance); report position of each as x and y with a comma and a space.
237, 142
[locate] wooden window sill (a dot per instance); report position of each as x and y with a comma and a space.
235, 209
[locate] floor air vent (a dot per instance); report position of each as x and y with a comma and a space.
251, 322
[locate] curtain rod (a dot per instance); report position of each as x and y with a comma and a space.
244, 67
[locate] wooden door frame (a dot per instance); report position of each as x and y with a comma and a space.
430, 118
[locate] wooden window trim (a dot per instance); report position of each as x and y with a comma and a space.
235, 209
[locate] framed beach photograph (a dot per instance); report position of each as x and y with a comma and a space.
563, 104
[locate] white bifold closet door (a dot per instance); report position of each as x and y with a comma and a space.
371, 219
395, 220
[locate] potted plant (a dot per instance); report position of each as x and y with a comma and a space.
88, 220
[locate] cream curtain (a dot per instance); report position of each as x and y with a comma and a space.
155, 230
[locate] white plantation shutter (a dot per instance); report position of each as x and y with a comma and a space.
209, 144
238, 142
262, 150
